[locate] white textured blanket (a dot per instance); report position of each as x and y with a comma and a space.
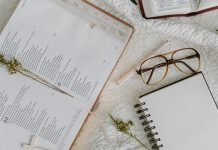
198, 32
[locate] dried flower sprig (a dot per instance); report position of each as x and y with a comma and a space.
13, 66
125, 128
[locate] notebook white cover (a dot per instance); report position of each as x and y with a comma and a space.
184, 114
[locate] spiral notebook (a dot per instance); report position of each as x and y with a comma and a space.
72, 45
181, 116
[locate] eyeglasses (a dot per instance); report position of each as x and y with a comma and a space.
155, 69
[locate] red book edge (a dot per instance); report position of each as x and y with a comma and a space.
174, 15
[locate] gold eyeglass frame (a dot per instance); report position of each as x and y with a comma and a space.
169, 62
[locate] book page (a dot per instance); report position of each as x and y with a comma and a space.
198, 5
169, 7
29, 108
65, 45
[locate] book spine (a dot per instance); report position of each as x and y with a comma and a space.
150, 128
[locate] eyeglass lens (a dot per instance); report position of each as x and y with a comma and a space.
155, 69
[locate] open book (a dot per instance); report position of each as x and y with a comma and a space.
171, 8
71, 45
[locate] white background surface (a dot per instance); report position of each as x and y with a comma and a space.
198, 32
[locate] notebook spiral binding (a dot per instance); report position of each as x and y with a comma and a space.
149, 128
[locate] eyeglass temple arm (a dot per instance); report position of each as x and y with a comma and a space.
190, 57
148, 69
178, 61
151, 74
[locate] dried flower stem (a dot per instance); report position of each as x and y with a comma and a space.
125, 128
13, 66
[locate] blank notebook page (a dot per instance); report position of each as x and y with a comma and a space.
185, 115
